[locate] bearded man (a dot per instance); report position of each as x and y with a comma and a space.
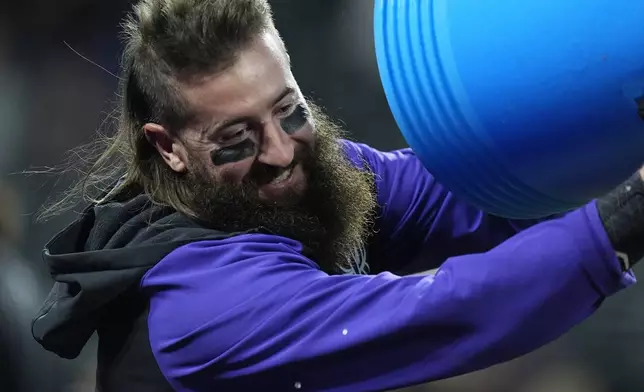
242, 244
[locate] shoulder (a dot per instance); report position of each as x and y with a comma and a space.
224, 273
242, 254
396, 172
220, 288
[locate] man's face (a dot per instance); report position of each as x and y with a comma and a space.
259, 155
252, 124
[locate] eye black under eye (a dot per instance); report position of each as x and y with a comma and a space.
234, 153
296, 120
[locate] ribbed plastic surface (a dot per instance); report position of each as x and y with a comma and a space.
523, 108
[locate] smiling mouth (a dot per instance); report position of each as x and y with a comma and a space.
286, 187
283, 176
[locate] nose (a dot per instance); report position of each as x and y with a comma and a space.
276, 147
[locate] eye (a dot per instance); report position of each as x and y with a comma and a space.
235, 135
285, 110
295, 119
234, 153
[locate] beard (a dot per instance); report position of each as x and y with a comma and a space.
332, 219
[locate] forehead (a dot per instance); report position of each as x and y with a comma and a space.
260, 74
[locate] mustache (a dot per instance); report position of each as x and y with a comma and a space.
261, 174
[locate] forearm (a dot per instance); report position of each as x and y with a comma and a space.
621, 211
534, 287
354, 333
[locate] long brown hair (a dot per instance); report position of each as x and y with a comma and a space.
166, 43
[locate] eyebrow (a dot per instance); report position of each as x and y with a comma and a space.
218, 125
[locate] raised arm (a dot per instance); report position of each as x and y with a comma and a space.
421, 218
251, 312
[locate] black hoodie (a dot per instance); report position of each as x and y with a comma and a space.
97, 263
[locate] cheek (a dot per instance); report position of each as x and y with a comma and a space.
233, 172
306, 135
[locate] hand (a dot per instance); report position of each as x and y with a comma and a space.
642, 172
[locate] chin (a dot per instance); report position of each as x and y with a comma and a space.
289, 200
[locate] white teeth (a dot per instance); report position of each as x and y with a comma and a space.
282, 176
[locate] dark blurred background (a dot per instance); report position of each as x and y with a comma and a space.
52, 98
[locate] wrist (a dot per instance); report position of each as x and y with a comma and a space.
622, 214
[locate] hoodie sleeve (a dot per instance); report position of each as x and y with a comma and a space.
251, 311
419, 215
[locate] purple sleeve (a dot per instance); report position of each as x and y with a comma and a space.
251, 312
421, 218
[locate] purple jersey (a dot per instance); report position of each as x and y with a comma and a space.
251, 312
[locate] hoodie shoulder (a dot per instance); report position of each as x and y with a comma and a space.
101, 257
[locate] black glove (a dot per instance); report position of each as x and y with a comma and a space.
622, 213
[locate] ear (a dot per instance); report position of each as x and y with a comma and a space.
168, 146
